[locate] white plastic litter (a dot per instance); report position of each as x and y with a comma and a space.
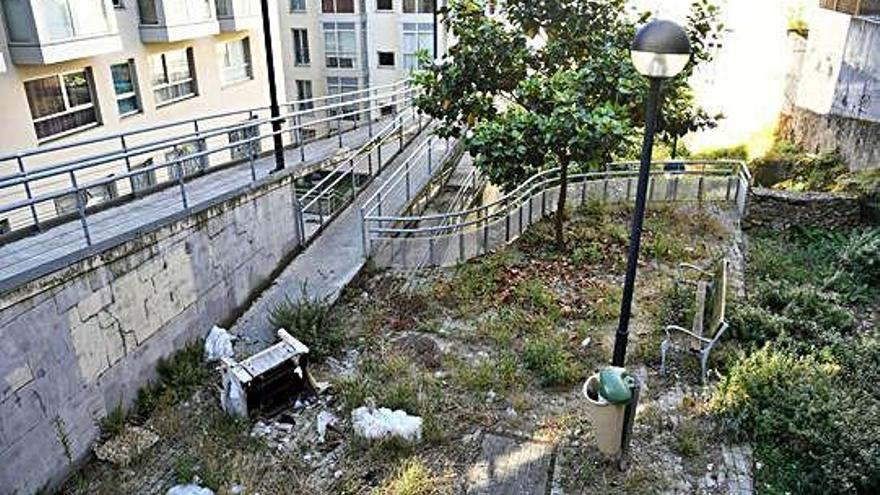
325, 419
380, 423
190, 489
218, 344
232, 399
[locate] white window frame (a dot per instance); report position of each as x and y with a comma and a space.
190, 57
338, 55
222, 49
420, 28
134, 89
301, 50
417, 4
67, 108
300, 96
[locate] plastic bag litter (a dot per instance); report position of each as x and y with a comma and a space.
190, 489
380, 423
218, 344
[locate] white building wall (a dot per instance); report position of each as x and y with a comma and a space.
822, 61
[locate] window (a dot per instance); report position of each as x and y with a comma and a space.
62, 103
144, 180
66, 19
125, 87
304, 92
172, 76
92, 196
297, 5
245, 150
387, 110
340, 46
147, 12
235, 61
386, 59
418, 6
341, 85
337, 6
4, 226
416, 37
301, 47
118, 4
384, 4
189, 166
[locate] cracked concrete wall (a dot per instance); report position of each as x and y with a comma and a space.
75, 342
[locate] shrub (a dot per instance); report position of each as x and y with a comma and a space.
180, 375
861, 256
755, 325
411, 478
814, 429
309, 321
739, 152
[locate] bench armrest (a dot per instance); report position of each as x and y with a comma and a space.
685, 331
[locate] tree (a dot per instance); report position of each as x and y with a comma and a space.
549, 85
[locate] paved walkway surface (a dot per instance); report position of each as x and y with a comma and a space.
31, 257
331, 261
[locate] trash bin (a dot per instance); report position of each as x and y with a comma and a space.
606, 417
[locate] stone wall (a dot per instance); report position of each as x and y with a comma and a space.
857, 140
77, 341
782, 209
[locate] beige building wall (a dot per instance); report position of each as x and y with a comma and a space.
212, 97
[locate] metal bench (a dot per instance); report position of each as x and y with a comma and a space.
709, 324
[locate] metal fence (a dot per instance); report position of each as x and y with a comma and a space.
448, 238
46, 186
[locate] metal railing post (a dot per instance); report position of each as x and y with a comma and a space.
430, 149
407, 180
370, 112
81, 209
302, 141
253, 150
182, 186
127, 163
353, 180
339, 128
30, 195
400, 132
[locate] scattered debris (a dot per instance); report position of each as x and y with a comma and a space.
325, 419
189, 489
373, 424
269, 381
218, 344
125, 447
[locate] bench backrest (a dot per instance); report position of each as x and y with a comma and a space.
716, 299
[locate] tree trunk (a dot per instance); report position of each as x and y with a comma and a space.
674, 147
560, 207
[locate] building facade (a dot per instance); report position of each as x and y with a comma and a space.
76, 69
835, 84
336, 46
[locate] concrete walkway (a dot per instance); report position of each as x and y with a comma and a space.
329, 263
57, 247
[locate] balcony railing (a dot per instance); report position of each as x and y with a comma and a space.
46, 32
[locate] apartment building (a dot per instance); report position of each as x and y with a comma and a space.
80, 69
335, 46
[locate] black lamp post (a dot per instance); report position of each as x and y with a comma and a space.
659, 51
274, 110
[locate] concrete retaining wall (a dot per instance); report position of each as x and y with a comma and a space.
782, 209
77, 341
857, 140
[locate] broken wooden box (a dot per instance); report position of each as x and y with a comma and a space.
269, 381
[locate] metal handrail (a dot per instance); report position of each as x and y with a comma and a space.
540, 181
115, 136
65, 169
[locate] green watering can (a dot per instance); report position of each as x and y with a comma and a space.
616, 385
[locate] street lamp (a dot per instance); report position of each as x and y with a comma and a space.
274, 110
659, 51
